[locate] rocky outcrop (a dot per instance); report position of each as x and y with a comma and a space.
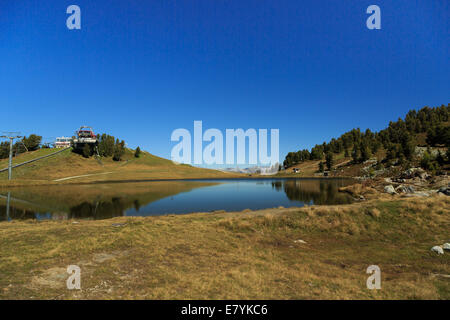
389, 189
414, 173
405, 189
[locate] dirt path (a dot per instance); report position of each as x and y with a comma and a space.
84, 175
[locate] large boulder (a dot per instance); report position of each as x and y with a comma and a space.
405, 189
414, 172
389, 189
437, 249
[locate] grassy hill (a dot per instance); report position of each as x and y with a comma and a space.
67, 166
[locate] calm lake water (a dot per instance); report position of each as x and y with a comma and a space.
102, 201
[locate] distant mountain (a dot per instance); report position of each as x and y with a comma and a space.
255, 170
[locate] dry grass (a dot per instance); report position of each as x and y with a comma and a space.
240, 255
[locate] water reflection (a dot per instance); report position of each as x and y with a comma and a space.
317, 192
105, 201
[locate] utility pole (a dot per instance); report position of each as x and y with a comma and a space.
11, 140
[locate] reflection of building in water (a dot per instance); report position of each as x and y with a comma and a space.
60, 215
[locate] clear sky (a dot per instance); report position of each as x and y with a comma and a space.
140, 69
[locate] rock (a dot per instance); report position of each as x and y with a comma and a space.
421, 194
414, 172
389, 189
388, 180
423, 175
417, 194
405, 189
446, 246
444, 190
119, 225
437, 249
299, 241
408, 174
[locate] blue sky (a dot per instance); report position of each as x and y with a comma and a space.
138, 71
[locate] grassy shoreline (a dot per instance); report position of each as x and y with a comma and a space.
236, 255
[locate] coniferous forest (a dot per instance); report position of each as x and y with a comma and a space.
428, 127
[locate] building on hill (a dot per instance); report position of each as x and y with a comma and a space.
63, 142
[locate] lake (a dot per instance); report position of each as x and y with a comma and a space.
108, 200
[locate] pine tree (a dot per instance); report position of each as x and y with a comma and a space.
137, 153
329, 160
86, 151
346, 154
365, 152
32, 142
355, 154
119, 150
426, 161
321, 167
440, 158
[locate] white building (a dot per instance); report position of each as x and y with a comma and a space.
63, 142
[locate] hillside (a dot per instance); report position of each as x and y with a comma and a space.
67, 166
421, 139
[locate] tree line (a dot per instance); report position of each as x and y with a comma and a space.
399, 139
109, 147
30, 143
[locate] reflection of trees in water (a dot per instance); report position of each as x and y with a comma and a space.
277, 185
100, 209
96, 210
319, 192
137, 205
16, 213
